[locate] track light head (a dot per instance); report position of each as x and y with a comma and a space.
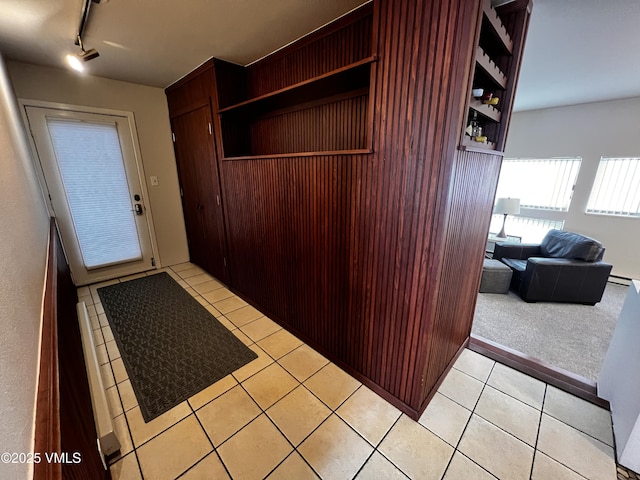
77, 60
89, 54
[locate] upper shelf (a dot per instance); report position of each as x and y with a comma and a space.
491, 69
488, 111
342, 79
496, 24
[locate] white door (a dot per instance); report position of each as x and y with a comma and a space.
89, 165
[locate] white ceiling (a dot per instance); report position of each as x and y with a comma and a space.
577, 51
156, 42
580, 51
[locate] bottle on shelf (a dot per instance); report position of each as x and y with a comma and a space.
474, 128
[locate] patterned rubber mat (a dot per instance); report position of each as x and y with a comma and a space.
172, 347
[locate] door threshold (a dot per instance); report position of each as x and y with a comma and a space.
558, 377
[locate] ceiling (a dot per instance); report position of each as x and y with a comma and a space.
156, 42
580, 51
577, 51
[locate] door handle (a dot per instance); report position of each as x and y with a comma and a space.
138, 209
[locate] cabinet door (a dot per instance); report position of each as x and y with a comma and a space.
200, 186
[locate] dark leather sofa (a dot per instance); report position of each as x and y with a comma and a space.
565, 267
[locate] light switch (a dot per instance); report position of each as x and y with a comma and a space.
154, 181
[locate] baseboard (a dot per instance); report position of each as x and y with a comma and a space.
618, 280
564, 380
108, 443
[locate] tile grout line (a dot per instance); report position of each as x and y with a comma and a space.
382, 453
455, 448
264, 412
542, 413
535, 448
215, 450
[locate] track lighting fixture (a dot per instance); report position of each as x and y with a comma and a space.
77, 60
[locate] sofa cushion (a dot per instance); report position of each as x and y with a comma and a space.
515, 264
560, 244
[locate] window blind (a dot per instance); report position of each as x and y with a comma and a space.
542, 183
95, 183
616, 189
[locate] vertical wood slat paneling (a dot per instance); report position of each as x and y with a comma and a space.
316, 125
422, 49
368, 257
312, 57
64, 415
364, 231
47, 434
313, 130
300, 208
475, 179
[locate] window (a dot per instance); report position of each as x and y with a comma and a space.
616, 190
543, 183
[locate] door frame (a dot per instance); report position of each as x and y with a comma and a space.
133, 132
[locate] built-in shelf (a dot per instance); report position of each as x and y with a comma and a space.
497, 27
490, 68
323, 85
488, 111
495, 68
470, 145
324, 103
332, 153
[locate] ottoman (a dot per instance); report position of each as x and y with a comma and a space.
496, 277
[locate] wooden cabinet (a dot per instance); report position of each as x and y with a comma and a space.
499, 46
351, 217
194, 146
303, 107
347, 88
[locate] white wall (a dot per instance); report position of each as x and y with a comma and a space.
24, 229
590, 131
149, 106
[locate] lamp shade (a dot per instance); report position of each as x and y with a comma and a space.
509, 206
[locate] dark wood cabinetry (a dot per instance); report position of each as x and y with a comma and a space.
298, 101
500, 43
194, 146
351, 216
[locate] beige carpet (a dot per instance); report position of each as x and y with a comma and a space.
573, 337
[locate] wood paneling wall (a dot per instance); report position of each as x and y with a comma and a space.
372, 258
313, 129
475, 179
424, 49
347, 250
64, 415
335, 46
47, 421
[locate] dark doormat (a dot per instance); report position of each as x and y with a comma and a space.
171, 346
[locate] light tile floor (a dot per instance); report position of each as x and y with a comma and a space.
292, 414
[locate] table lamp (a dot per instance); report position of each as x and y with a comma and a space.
506, 206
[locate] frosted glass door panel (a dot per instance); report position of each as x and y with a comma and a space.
95, 183
93, 178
